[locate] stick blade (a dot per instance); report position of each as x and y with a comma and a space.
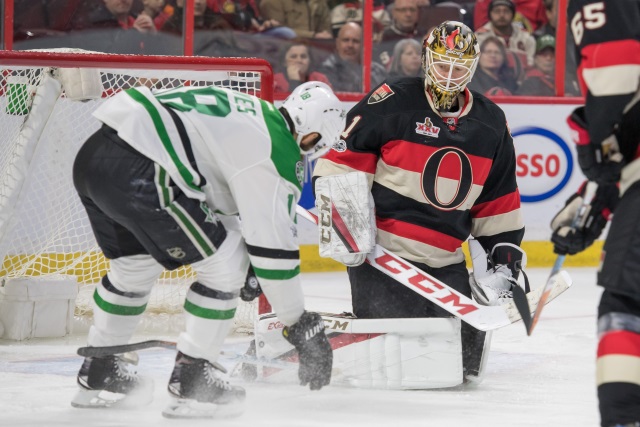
556, 284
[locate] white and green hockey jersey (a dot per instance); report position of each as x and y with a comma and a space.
248, 162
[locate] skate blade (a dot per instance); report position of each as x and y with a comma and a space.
189, 408
140, 396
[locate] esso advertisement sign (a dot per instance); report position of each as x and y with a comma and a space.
543, 163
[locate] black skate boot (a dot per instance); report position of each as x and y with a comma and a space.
198, 391
110, 381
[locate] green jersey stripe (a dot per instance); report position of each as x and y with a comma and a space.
164, 137
276, 274
285, 153
208, 313
121, 310
192, 229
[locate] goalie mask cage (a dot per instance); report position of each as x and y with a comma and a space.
44, 231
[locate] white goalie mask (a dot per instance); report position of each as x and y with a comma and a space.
313, 107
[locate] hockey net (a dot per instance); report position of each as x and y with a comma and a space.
44, 231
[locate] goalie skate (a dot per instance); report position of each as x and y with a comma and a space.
110, 382
198, 391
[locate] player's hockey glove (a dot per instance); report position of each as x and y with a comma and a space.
251, 289
495, 275
568, 240
314, 350
602, 162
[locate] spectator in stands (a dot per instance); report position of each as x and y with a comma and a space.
404, 22
114, 14
531, 10
351, 11
297, 66
540, 80
501, 25
308, 18
344, 68
213, 35
244, 15
407, 59
571, 86
493, 76
157, 11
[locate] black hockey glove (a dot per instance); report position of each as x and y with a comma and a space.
251, 289
602, 162
314, 350
568, 240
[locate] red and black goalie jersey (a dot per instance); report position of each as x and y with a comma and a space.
435, 180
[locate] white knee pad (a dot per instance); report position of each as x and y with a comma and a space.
226, 269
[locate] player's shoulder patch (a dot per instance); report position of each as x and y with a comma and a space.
380, 94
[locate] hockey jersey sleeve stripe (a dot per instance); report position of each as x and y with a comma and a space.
156, 117
414, 157
272, 253
364, 162
607, 68
496, 224
413, 250
418, 233
276, 274
507, 203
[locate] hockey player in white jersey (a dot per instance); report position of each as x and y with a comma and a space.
162, 182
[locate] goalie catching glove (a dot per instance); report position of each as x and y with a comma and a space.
571, 240
494, 275
314, 350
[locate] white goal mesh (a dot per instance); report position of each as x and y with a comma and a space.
43, 227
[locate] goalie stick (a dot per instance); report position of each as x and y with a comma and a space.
589, 194
482, 317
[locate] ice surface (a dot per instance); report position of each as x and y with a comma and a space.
543, 380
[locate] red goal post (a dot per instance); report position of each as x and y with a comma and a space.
44, 232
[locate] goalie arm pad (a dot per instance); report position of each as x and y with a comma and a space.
346, 220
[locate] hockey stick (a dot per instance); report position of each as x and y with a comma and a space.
589, 194
482, 317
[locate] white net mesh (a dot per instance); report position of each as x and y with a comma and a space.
43, 227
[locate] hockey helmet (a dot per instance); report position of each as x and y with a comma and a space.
450, 56
313, 107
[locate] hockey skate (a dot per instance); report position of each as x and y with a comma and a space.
110, 381
198, 391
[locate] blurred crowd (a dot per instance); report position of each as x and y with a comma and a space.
313, 39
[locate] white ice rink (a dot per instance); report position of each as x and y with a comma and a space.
543, 380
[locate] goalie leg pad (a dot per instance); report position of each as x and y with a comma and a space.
346, 222
376, 353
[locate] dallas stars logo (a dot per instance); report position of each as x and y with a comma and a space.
209, 215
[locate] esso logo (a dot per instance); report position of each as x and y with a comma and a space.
543, 163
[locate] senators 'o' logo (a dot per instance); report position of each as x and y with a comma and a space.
447, 178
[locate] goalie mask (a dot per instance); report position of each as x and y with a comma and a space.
313, 107
449, 58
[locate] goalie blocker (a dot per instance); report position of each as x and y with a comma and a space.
397, 354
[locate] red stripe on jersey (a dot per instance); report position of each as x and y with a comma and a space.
501, 205
365, 162
618, 52
619, 342
419, 234
413, 157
